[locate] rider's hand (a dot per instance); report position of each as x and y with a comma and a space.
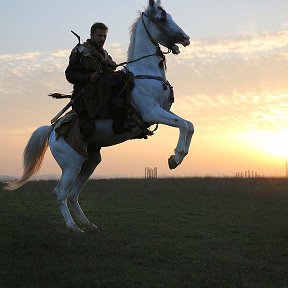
94, 77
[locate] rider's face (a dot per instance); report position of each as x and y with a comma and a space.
98, 38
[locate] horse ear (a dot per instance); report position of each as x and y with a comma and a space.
151, 3
158, 3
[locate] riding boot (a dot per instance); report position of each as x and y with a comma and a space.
86, 128
120, 121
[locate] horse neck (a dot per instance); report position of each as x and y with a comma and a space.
140, 46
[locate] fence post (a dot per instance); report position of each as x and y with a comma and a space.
151, 173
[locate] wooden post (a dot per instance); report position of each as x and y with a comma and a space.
151, 173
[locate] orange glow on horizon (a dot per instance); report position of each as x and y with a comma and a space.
271, 143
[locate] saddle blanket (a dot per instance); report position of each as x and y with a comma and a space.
68, 127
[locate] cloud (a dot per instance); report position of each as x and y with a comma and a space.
18, 57
221, 85
26, 80
35, 62
233, 84
61, 54
246, 46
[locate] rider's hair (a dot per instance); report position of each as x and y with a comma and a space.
96, 26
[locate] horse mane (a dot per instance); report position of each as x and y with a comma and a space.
132, 35
133, 27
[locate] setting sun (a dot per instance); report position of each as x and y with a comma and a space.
273, 143
230, 82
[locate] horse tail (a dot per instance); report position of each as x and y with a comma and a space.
33, 156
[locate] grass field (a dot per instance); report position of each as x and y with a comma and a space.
197, 232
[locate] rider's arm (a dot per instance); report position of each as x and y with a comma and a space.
110, 61
76, 73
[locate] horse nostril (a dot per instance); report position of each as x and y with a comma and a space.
183, 39
186, 42
186, 37
182, 36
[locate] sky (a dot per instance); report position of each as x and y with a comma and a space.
231, 83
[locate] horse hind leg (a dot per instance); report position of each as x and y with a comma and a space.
61, 191
70, 162
87, 169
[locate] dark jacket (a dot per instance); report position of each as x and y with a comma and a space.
86, 59
90, 97
107, 97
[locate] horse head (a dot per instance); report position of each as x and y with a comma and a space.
163, 29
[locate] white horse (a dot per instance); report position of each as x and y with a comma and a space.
150, 97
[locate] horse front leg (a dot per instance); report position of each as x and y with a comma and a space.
185, 137
189, 134
186, 130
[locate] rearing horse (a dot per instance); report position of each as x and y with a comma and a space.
150, 97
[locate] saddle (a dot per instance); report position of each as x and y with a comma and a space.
68, 127
71, 128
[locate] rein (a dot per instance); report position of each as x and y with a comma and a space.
159, 52
138, 59
133, 112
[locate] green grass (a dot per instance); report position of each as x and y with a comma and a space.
198, 232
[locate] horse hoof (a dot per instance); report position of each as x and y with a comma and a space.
172, 163
93, 228
76, 230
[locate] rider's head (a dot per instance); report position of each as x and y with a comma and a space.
98, 34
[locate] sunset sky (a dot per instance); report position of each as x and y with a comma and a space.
231, 82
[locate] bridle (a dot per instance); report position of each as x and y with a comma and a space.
159, 52
133, 112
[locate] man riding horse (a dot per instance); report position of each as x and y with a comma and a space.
150, 97
99, 90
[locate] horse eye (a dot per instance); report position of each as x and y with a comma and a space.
163, 16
